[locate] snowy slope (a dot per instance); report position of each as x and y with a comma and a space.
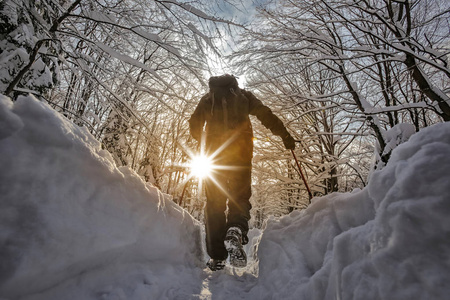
388, 241
74, 226
66, 209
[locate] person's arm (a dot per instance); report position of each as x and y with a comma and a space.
269, 119
198, 119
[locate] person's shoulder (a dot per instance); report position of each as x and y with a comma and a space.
246, 93
205, 98
250, 96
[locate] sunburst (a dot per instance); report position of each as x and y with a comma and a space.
205, 167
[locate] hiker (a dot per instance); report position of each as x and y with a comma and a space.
229, 139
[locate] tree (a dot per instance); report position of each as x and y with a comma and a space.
28, 48
339, 70
130, 71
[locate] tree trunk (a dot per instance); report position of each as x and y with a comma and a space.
426, 87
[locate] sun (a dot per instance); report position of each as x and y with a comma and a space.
201, 166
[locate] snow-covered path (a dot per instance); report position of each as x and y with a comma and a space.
155, 280
152, 280
74, 226
228, 284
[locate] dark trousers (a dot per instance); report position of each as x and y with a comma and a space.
233, 185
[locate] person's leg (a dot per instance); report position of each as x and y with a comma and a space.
239, 205
215, 219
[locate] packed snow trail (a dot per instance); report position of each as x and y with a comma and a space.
74, 226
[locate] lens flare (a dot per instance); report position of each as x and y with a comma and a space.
201, 166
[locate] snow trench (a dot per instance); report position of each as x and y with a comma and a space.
75, 226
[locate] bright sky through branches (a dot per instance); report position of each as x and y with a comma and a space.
241, 12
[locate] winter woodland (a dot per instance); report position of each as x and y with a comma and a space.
351, 80
96, 196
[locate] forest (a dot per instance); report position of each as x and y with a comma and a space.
350, 79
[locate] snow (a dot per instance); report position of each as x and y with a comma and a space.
100, 17
68, 213
74, 226
9, 122
393, 137
388, 241
397, 135
149, 36
123, 57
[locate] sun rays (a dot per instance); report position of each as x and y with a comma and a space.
201, 166
205, 167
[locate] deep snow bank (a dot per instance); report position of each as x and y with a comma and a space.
389, 241
66, 208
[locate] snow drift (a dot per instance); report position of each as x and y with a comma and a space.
66, 208
74, 226
389, 241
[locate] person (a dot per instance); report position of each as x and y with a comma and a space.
224, 112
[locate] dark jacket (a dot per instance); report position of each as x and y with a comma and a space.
227, 119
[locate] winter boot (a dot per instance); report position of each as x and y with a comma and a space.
233, 244
216, 264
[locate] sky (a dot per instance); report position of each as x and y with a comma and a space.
241, 12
